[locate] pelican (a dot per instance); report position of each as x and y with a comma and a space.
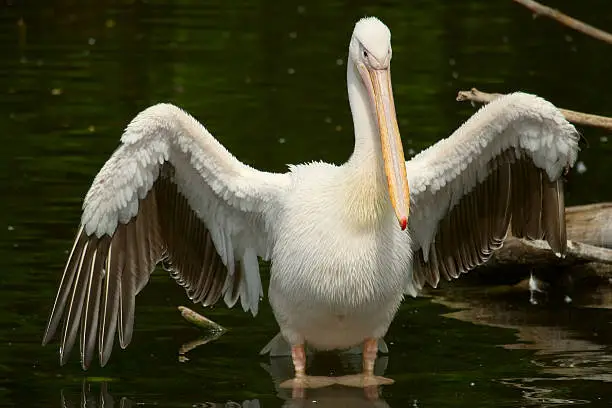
346, 242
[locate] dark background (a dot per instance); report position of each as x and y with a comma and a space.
267, 78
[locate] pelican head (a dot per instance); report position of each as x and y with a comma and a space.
370, 52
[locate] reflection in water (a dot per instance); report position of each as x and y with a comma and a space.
69, 82
541, 396
338, 396
97, 394
189, 346
91, 399
570, 343
281, 369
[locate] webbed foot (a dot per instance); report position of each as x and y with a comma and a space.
363, 380
307, 381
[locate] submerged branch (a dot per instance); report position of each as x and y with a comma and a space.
566, 20
198, 320
579, 118
213, 331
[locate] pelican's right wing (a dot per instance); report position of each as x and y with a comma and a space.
170, 192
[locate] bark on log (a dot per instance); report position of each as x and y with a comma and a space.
590, 224
589, 231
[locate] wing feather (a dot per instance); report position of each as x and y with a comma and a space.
89, 325
502, 169
75, 306
169, 193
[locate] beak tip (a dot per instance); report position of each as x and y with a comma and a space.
403, 223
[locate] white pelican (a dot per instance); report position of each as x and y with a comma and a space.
343, 251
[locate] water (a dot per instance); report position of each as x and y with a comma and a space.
268, 80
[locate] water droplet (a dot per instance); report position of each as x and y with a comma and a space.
11, 228
339, 61
110, 23
567, 299
293, 35
91, 41
291, 71
281, 140
581, 167
452, 62
328, 120
56, 91
301, 9
91, 128
603, 139
455, 74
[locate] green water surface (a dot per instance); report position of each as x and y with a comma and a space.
267, 78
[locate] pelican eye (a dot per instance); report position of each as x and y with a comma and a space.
365, 54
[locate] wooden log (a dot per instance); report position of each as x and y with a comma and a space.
590, 224
589, 249
525, 252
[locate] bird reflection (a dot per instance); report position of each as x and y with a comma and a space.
97, 394
281, 368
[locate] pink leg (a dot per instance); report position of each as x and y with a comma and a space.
301, 380
367, 377
370, 349
299, 360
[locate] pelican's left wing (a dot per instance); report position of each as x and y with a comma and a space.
171, 192
502, 167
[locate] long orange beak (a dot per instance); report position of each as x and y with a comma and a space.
378, 82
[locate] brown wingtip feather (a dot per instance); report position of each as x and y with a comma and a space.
516, 193
553, 203
59, 304
103, 275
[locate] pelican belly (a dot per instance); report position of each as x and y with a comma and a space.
335, 282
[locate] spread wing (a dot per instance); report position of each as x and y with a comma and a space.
501, 168
169, 193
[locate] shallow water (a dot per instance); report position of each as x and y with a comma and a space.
268, 80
